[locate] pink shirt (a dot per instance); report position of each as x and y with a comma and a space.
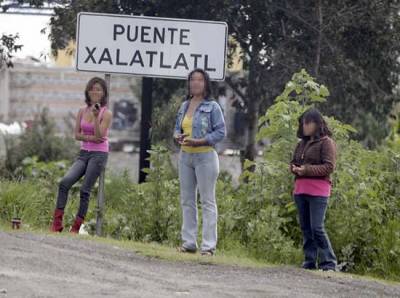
312, 187
87, 128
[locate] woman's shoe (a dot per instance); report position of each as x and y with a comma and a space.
57, 225
183, 249
207, 253
77, 225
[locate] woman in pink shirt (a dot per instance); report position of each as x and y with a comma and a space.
313, 161
91, 128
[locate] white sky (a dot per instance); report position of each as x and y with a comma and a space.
28, 26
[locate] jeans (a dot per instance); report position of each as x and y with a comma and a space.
198, 171
312, 211
88, 164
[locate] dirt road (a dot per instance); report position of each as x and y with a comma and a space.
33, 265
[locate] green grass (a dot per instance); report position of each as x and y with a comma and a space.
155, 250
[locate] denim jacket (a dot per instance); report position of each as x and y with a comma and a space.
208, 121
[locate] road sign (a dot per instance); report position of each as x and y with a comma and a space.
150, 46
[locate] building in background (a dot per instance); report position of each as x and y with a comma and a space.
29, 87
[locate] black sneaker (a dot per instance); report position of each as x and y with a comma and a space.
207, 253
183, 249
309, 267
328, 269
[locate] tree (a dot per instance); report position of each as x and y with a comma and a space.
8, 46
9, 42
351, 47
355, 50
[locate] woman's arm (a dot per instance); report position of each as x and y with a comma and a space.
100, 128
328, 157
218, 127
292, 162
194, 142
78, 135
178, 136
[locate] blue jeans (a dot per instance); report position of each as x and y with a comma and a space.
198, 171
88, 164
316, 243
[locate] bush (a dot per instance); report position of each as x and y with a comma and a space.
41, 141
364, 204
258, 216
34, 193
164, 121
148, 211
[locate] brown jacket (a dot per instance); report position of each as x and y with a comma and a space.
318, 156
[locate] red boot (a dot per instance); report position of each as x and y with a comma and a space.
77, 225
57, 225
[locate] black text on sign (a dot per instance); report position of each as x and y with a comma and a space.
150, 46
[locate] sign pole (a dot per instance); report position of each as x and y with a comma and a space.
100, 194
145, 137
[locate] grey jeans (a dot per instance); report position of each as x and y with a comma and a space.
88, 164
199, 171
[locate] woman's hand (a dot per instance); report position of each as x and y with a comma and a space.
95, 110
91, 138
98, 140
194, 142
190, 142
179, 138
299, 170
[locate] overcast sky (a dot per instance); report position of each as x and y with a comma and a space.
28, 26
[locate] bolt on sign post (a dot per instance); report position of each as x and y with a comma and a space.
149, 47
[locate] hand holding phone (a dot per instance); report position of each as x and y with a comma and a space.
96, 109
298, 169
180, 138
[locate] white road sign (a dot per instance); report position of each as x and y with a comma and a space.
150, 46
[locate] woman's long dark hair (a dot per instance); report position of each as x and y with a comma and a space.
89, 86
207, 83
313, 115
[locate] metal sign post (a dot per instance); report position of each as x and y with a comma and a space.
145, 137
100, 194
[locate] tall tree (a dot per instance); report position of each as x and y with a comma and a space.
350, 46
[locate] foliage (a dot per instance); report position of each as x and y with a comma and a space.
364, 206
258, 217
393, 139
163, 123
156, 200
39, 140
8, 46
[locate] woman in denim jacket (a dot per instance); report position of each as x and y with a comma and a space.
199, 126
